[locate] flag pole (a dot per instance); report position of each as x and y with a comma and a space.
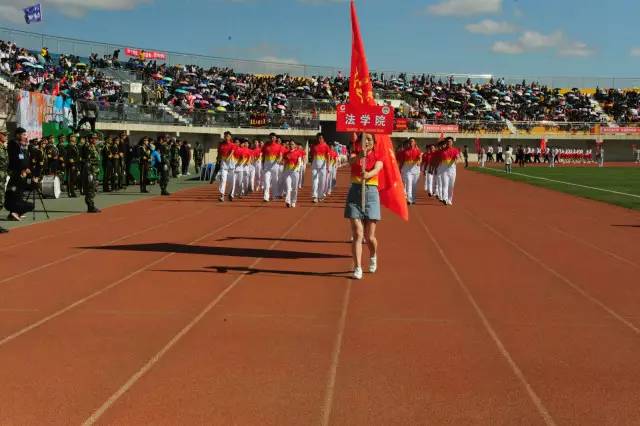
363, 164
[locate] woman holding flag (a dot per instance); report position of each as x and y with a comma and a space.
366, 165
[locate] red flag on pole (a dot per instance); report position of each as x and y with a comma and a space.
361, 92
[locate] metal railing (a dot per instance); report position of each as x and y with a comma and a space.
151, 114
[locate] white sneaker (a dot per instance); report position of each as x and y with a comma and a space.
357, 274
293, 205
373, 265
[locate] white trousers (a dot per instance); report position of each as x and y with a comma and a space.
224, 178
301, 173
448, 183
258, 175
428, 183
318, 182
410, 176
291, 183
437, 177
250, 177
270, 181
240, 182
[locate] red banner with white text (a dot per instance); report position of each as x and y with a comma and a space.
440, 128
373, 119
147, 54
619, 130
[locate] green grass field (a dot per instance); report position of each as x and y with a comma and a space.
614, 185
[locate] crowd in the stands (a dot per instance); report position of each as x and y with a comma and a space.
475, 106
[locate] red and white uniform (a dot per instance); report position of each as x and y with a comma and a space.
411, 159
319, 169
271, 153
228, 160
292, 162
332, 173
244, 157
447, 169
428, 172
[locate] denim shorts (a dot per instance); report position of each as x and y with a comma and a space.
353, 209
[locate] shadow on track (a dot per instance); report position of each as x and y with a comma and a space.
255, 271
219, 251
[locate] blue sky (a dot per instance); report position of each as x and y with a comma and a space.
500, 37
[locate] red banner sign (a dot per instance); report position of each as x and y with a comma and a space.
147, 54
616, 130
402, 124
440, 128
364, 118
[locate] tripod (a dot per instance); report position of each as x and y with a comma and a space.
33, 191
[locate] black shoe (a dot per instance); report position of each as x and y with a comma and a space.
73, 195
93, 209
165, 193
144, 192
230, 198
3, 231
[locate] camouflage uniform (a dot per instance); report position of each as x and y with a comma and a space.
163, 168
198, 155
4, 165
175, 159
91, 160
72, 160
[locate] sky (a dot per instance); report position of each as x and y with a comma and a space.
591, 38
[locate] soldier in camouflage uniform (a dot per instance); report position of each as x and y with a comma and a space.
91, 159
51, 151
163, 167
82, 143
62, 165
107, 165
198, 156
37, 157
144, 157
4, 166
175, 158
116, 166
72, 161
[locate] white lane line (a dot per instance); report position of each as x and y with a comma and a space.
567, 183
595, 247
558, 275
537, 401
95, 416
327, 406
112, 285
80, 253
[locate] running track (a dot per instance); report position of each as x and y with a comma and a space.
518, 305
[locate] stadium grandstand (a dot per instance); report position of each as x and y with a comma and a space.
198, 97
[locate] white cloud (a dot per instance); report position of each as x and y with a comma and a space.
576, 48
11, 9
635, 51
489, 26
533, 40
279, 60
507, 48
465, 7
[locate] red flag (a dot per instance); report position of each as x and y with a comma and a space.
477, 142
543, 144
361, 92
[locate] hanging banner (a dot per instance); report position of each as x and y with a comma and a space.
402, 124
440, 128
147, 54
33, 110
619, 130
373, 119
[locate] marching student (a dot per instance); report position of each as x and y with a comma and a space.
448, 158
427, 169
271, 155
411, 159
243, 156
227, 161
257, 154
438, 171
332, 174
292, 160
319, 168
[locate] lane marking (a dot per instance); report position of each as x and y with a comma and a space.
566, 183
95, 416
537, 401
112, 285
327, 406
558, 275
80, 253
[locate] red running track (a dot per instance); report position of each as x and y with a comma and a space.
517, 305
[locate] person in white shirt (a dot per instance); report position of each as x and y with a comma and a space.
499, 155
637, 155
482, 157
490, 153
601, 157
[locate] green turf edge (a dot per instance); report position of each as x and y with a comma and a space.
615, 199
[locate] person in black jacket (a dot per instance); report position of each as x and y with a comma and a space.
19, 176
